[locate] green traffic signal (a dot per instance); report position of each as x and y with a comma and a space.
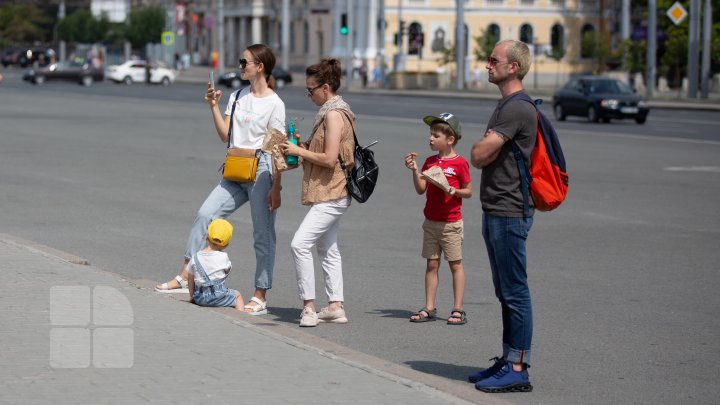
343, 24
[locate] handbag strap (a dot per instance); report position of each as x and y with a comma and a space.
232, 112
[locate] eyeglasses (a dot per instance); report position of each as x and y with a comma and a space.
244, 62
310, 90
493, 61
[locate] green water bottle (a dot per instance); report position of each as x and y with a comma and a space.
291, 159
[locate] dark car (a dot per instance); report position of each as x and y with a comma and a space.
82, 73
25, 57
233, 80
599, 98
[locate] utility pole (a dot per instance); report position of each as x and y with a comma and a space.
460, 42
625, 20
285, 40
221, 35
399, 56
707, 32
651, 44
381, 42
61, 45
693, 48
349, 44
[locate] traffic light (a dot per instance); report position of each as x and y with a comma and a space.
343, 24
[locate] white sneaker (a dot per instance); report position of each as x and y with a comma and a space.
336, 316
308, 317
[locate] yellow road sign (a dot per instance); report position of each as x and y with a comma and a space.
677, 13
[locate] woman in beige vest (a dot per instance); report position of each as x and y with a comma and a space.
324, 189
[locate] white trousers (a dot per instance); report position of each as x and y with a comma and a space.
319, 229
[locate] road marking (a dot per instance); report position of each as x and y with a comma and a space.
710, 169
644, 137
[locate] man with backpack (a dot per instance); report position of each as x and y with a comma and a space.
508, 213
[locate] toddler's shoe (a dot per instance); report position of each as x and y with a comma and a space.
506, 380
308, 317
488, 372
337, 316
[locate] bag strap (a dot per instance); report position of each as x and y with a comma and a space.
357, 145
525, 178
232, 112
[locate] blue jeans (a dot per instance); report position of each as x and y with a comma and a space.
227, 197
505, 239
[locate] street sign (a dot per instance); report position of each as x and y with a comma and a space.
167, 38
677, 13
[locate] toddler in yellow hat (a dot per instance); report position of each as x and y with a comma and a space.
209, 268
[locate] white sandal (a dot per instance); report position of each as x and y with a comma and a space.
165, 289
259, 308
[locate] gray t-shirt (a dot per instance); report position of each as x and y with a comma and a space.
500, 192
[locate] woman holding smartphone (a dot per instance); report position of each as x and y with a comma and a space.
257, 108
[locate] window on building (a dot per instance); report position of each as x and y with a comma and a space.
306, 37
292, 36
526, 34
587, 41
415, 39
527, 3
557, 36
494, 31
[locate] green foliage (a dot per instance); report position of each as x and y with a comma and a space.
447, 55
22, 23
632, 54
145, 26
484, 45
597, 46
556, 53
83, 27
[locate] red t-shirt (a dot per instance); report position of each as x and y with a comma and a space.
440, 206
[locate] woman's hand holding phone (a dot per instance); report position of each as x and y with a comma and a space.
212, 96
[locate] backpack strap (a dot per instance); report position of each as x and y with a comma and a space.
525, 178
340, 159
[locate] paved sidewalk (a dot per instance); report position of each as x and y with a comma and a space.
199, 74
73, 333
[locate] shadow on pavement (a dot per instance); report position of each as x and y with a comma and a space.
287, 315
391, 313
450, 371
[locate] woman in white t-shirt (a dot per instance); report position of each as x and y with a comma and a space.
257, 108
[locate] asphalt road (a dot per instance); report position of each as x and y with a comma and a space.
624, 276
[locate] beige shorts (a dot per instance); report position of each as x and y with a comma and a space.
442, 237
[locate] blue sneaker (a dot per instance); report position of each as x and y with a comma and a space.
488, 372
506, 380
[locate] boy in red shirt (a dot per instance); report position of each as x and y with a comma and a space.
443, 226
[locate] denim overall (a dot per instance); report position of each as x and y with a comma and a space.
212, 293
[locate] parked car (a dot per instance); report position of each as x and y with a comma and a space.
233, 80
599, 98
135, 70
83, 73
25, 57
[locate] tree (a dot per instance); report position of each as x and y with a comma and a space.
23, 23
484, 45
145, 26
83, 27
597, 46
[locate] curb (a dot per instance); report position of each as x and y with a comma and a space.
435, 386
710, 105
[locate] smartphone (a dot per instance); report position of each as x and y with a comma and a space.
212, 80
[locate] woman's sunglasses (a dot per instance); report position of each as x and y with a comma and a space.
244, 62
310, 90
